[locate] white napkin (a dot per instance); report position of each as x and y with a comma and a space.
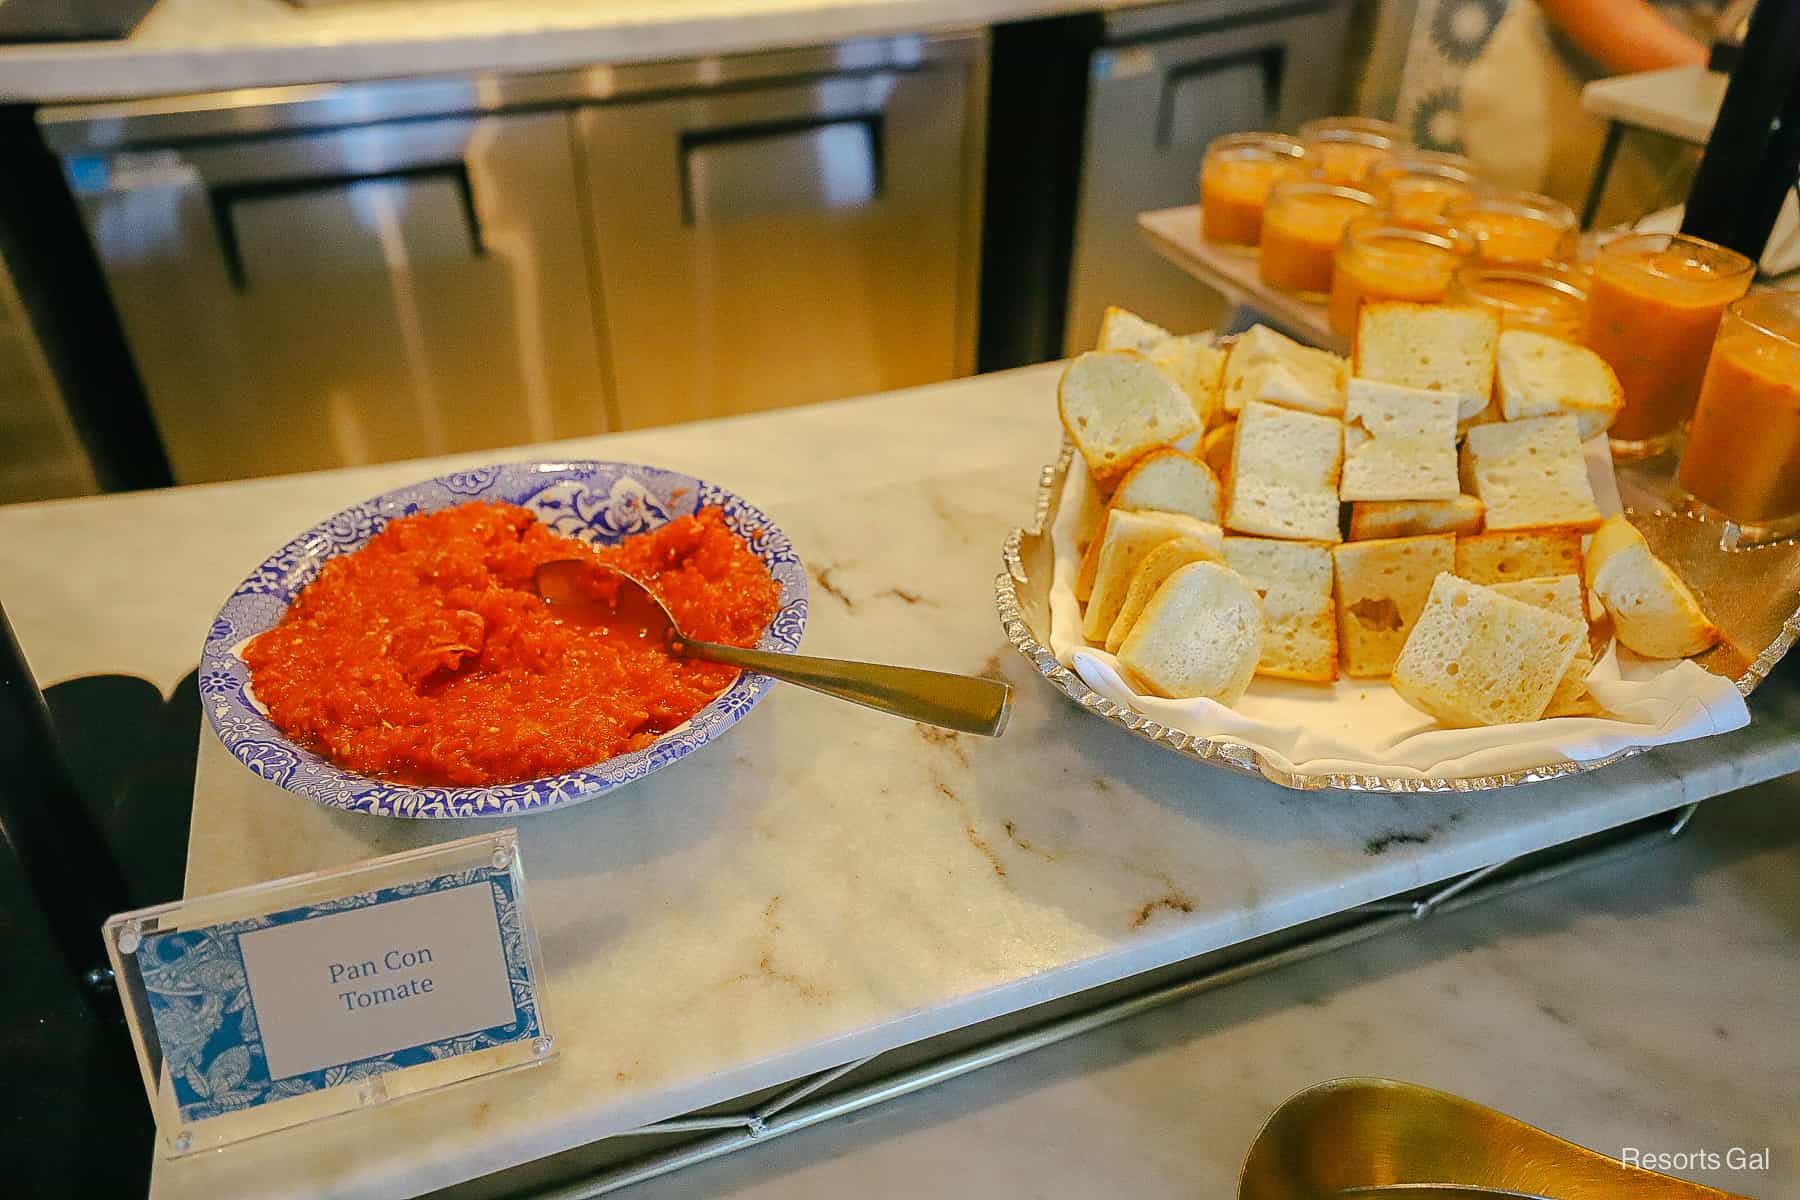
1363, 727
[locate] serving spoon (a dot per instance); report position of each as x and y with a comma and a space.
966, 703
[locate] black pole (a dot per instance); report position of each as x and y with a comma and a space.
48, 832
1753, 155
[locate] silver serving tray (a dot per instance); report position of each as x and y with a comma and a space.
1752, 594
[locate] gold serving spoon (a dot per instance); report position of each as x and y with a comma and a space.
966, 703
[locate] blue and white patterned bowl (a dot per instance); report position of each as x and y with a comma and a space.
597, 502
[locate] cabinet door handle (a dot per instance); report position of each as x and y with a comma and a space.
810, 164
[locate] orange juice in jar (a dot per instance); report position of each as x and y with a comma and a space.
1545, 298
1516, 227
1420, 185
1236, 177
1653, 310
1343, 150
1379, 260
1743, 452
1302, 225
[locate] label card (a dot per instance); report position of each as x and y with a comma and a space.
240, 1001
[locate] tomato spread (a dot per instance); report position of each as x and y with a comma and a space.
426, 657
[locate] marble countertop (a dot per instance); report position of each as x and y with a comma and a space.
209, 45
825, 882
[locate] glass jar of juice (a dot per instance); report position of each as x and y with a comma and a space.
1235, 179
1545, 298
1302, 224
1516, 227
1379, 260
1653, 310
1743, 452
1421, 185
1342, 150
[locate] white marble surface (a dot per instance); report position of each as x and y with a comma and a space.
824, 882
207, 45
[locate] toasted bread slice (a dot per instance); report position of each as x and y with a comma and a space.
1411, 518
1157, 566
1122, 329
1381, 589
1200, 635
1118, 406
1216, 448
1442, 347
1130, 536
1515, 554
1198, 365
1284, 474
1540, 376
1530, 474
1293, 579
1267, 366
1164, 480
1399, 443
1562, 595
1476, 657
1653, 611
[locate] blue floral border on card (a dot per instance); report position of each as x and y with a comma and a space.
199, 998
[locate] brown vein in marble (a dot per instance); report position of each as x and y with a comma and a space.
1173, 899
969, 830
766, 957
1012, 834
947, 738
822, 577
903, 595
1174, 902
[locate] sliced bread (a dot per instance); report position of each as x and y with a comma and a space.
1200, 635
1541, 375
1653, 611
1157, 566
1293, 579
1216, 448
1284, 474
1515, 554
1562, 595
1411, 518
1531, 474
1117, 406
1381, 588
1122, 329
1445, 348
1197, 364
1275, 369
1399, 443
1165, 480
1129, 537
1476, 657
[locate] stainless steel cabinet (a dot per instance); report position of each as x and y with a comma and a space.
1170, 80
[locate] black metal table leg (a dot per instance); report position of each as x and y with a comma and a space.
1615, 133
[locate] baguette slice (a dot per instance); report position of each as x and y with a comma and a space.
1122, 329
1200, 635
1653, 611
1129, 538
1197, 364
1476, 657
1531, 474
1541, 375
1157, 566
1515, 554
1442, 347
1284, 474
1293, 579
1562, 595
1117, 406
1411, 518
1399, 443
1382, 586
1275, 369
1164, 480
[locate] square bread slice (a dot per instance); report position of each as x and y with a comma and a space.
1476, 657
1541, 375
1399, 443
1157, 566
1444, 348
1122, 329
1285, 467
1381, 589
1129, 538
1653, 611
1515, 554
1299, 639
1117, 406
1200, 635
1271, 367
1531, 474
1164, 480
1411, 518
1562, 595
1197, 364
